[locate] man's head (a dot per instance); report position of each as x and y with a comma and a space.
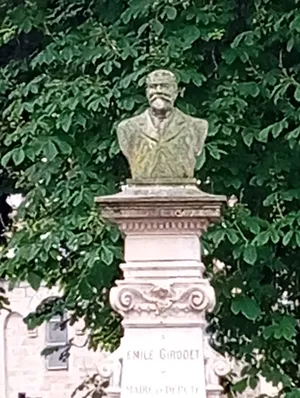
162, 90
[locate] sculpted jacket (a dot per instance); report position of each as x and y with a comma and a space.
166, 152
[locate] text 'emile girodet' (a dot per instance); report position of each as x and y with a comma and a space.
163, 354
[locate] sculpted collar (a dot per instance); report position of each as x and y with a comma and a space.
169, 129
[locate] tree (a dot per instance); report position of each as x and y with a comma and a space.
71, 69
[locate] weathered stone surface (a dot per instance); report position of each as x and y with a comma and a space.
162, 142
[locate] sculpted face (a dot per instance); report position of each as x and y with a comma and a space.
161, 90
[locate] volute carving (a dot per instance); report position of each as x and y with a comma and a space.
216, 366
159, 298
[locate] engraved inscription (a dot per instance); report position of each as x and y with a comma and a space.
163, 354
168, 390
168, 362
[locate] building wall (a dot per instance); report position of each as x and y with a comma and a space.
23, 368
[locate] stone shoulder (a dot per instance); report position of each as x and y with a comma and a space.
197, 122
200, 123
124, 123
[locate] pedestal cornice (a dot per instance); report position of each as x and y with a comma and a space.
150, 209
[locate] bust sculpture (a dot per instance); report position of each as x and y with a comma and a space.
162, 143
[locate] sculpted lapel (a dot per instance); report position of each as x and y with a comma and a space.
169, 131
174, 128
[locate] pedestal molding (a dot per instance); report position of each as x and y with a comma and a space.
176, 323
169, 227
168, 269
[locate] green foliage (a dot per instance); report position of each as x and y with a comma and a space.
70, 71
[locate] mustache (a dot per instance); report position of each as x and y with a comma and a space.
164, 96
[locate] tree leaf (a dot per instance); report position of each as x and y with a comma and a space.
235, 306
85, 289
250, 254
63, 146
50, 150
275, 237
190, 34
249, 88
262, 238
297, 93
157, 26
6, 158
18, 156
241, 385
250, 309
253, 382
232, 236
295, 393
247, 306
237, 251
248, 137
264, 134
171, 12
290, 44
269, 331
107, 255
34, 280
142, 29
78, 198
114, 234
253, 225
288, 328
298, 238
218, 236
287, 237
66, 122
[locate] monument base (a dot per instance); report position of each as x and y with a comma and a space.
164, 297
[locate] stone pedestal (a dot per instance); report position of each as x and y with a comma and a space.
163, 297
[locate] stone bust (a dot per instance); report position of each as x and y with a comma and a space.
162, 143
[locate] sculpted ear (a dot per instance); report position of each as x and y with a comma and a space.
202, 130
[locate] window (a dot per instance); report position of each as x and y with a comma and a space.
56, 337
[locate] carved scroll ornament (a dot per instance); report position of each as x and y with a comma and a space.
216, 366
161, 298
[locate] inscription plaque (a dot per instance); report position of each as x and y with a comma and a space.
165, 362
